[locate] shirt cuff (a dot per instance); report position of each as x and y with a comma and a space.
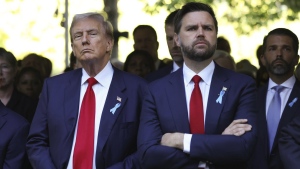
187, 143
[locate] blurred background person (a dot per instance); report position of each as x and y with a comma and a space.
42, 64
29, 81
223, 59
139, 62
174, 50
9, 95
145, 38
262, 75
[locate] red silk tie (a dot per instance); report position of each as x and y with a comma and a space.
196, 108
84, 145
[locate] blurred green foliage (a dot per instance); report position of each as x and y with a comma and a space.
245, 15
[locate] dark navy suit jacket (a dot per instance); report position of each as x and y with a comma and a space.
159, 73
51, 134
289, 144
13, 134
262, 157
165, 111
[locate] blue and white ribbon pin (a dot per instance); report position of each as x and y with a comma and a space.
113, 110
293, 102
222, 92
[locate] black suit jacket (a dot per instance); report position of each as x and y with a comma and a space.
289, 144
22, 104
261, 158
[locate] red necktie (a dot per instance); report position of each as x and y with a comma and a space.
196, 108
84, 145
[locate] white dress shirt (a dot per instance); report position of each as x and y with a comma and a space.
205, 83
100, 89
284, 94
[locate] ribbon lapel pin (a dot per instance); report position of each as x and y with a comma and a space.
222, 92
293, 102
113, 110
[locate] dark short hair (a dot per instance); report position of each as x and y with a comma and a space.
142, 53
193, 7
9, 57
283, 32
145, 27
170, 18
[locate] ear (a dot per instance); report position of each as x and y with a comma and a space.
134, 46
263, 59
157, 45
177, 40
109, 45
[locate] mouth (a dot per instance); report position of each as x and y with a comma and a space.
200, 43
85, 51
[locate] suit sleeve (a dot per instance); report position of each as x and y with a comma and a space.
229, 149
16, 150
151, 153
289, 144
38, 139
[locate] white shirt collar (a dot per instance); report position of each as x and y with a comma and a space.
288, 83
103, 77
205, 74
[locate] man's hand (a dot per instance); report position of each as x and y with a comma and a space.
237, 127
172, 140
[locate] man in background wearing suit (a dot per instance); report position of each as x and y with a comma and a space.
280, 48
184, 127
88, 118
174, 51
13, 134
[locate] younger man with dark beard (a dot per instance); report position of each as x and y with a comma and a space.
183, 126
280, 56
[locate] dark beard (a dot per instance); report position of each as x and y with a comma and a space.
192, 54
279, 69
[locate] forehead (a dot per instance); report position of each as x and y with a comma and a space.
197, 17
84, 24
144, 32
279, 40
169, 29
3, 60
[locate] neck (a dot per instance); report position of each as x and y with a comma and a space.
5, 93
197, 66
279, 79
93, 68
179, 63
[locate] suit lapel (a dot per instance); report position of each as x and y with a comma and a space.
176, 94
289, 111
262, 120
71, 98
115, 96
2, 115
214, 109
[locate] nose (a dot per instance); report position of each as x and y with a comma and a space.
85, 39
279, 53
200, 32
